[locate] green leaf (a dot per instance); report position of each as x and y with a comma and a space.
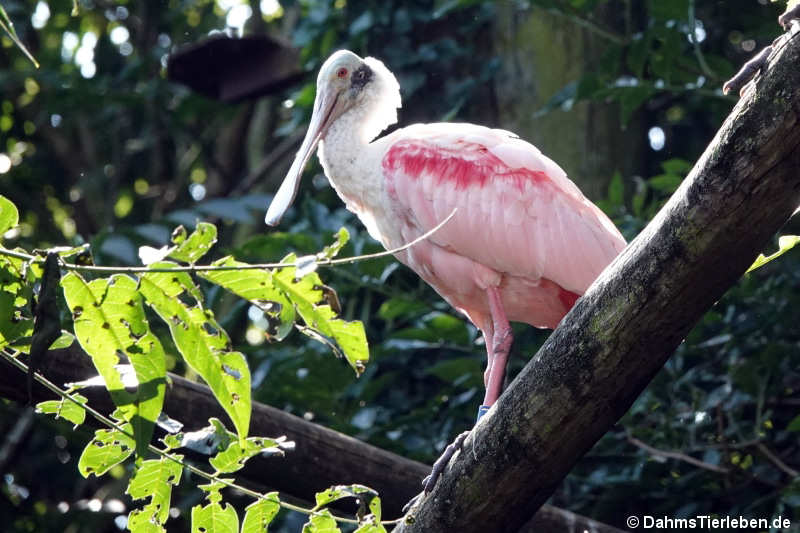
794, 425
190, 249
234, 456
321, 522
785, 243
109, 322
202, 342
338, 492
64, 408
370, 527
108, 448
616, 191
141, 521
16, 321
154, 479
258, 287
212, 489
9, 215
397, 307
259, 515
214, 517
333, 249
630, 99
676, 166
665, 182
348, 338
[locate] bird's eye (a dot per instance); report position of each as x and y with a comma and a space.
342, 72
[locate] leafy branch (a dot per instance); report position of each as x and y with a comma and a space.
110, 323
73, 407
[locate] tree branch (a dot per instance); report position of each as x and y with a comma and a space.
617, 337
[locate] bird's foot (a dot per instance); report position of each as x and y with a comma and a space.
740, 81
436, 471
438, 467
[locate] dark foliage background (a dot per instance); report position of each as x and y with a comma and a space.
98, 146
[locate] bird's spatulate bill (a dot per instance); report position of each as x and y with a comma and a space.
326, 108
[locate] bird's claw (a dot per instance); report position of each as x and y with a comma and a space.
438, 467
786, 19
748, 71
436, 471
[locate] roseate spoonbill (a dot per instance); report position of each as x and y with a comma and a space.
524, 243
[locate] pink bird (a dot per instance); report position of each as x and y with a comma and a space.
523, 244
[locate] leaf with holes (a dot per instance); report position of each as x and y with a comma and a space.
153, 479
233, 457
258, 287
16, 320
321, 522
369, 503
110, 324
259, 515
190, 249
333, 249
64, 408
370, 525
109, 447
201, 341
214, 517
347, 338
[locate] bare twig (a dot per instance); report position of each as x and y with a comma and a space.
774, 459
211, 268
680, 456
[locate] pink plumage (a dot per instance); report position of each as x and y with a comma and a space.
521, 225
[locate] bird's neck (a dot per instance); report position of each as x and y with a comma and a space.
353, 163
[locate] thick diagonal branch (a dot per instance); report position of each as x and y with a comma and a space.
608, 348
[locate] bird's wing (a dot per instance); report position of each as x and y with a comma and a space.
518, 212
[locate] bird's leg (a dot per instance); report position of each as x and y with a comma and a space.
498, 338
488, 335
501, 345
748, 71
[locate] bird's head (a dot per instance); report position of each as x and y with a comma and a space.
345, 82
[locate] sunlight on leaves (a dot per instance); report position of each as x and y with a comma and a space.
259, 514
190, 249
203, 343
214, 517
109, 323
16, 321
235, 455
108, 448
785, 243
153, 479
9, 216
64, 408
322, 522
258, 287
348, 338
